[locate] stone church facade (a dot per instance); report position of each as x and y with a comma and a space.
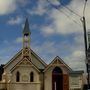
27, 71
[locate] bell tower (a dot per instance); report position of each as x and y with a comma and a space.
26, 40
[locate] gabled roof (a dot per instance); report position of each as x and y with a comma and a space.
57, 61
37, 61
25, 62
13, 58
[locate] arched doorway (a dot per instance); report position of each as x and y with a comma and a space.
57, 79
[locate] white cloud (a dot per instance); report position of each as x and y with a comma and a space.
64, 21
19, 40
7, 6
16, 20
60, 24
78, 53
39, 9
76, 59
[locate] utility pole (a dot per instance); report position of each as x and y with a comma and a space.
85, 34
85, 42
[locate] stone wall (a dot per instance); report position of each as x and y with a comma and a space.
2, 86
24, 86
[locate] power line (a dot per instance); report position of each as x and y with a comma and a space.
72, 11
65, 13
84, 7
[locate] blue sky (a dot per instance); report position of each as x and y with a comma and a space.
54, 32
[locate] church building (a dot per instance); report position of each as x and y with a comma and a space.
27, 71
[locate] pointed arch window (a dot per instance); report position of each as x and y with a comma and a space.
17, 76
57, 70
31, 77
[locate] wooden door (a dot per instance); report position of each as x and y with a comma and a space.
65, 82
57, 79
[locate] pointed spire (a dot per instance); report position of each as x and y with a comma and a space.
26, 40
26, 27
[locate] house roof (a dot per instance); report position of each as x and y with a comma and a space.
58, 60
24, 62
77, 72
36, 60
13, 58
